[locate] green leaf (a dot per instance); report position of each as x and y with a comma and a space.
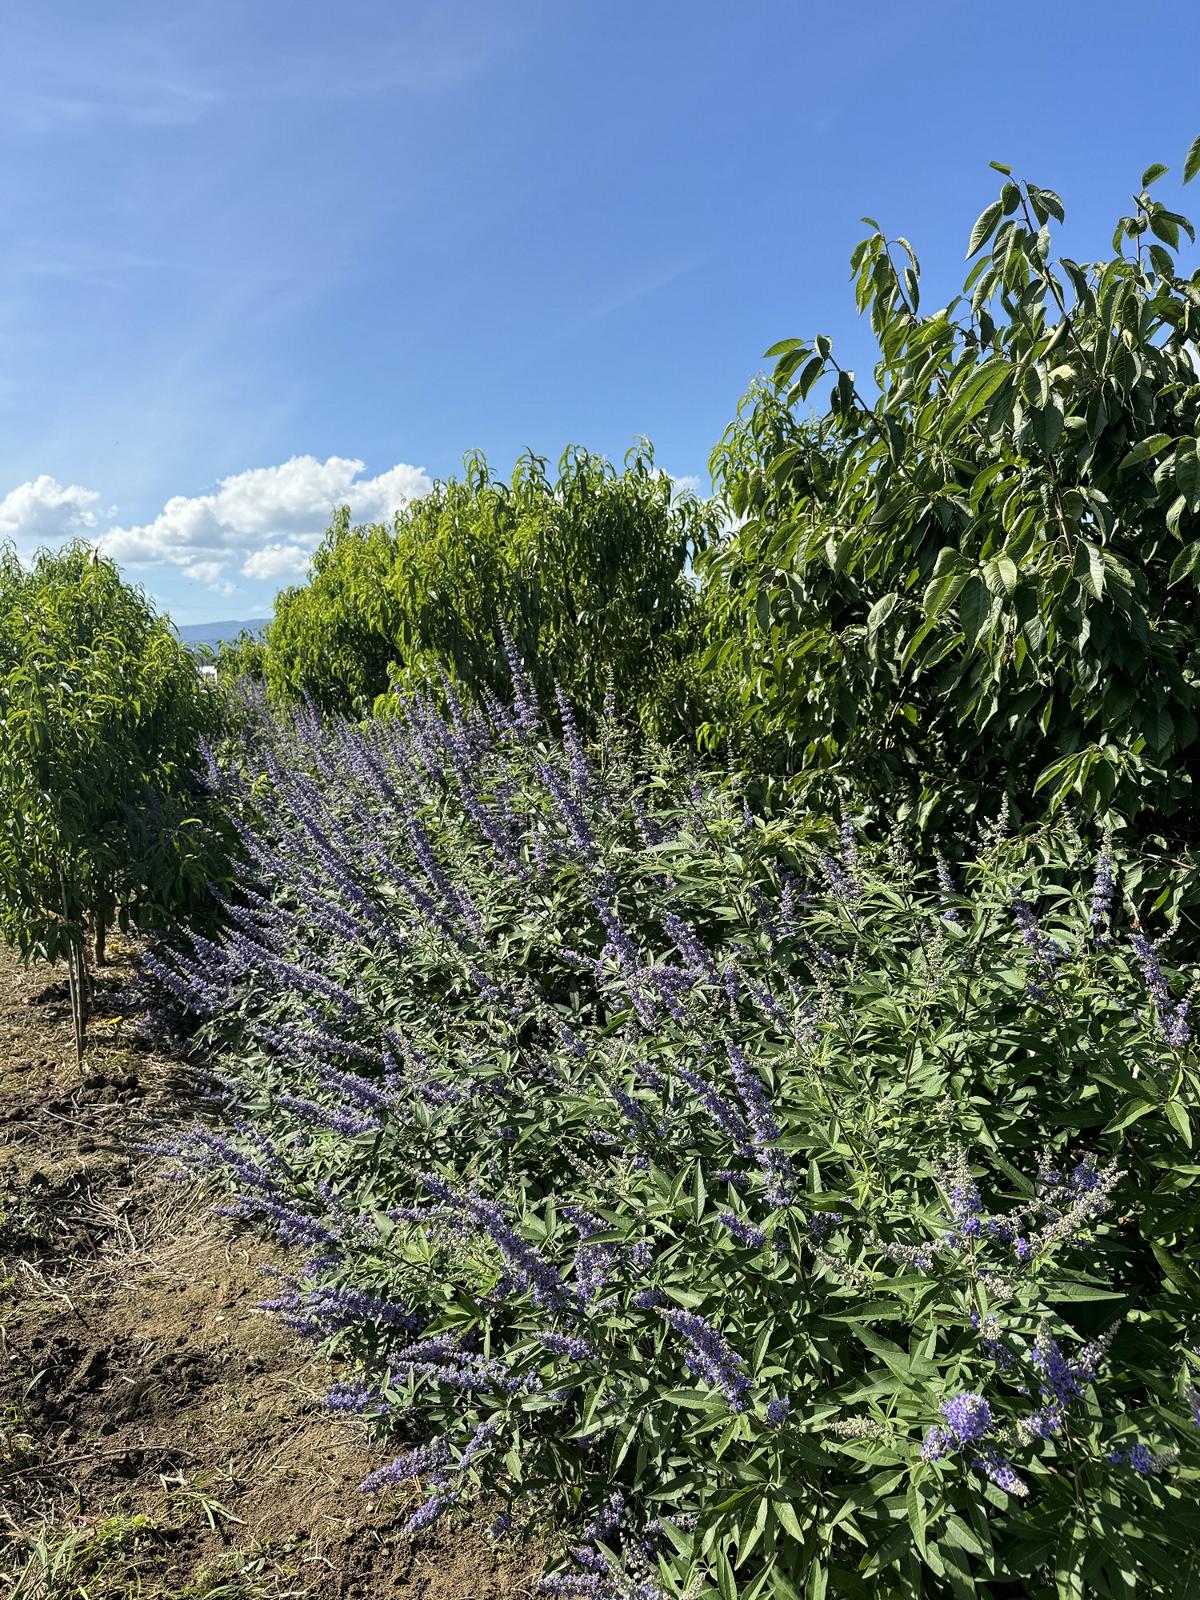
1089, 568
790, 1521
974, 608
983, 385
1178, 1118
880, 612
1046, 204
1163, 264
942, 593
813, 369
1144, 449
1001, 575
1158, 726
723, 1572
1081, 1293
893, 1357
1124, 366
914, 1505
1046, 424
1130, 1112
1065, 768
987, 220
1187, 473
784, 347
692, 1399
1191, 162
1179, 1273
780, 1587
1152, 174
1185, 562
962, 1536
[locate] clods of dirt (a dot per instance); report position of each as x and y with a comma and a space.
160, 1435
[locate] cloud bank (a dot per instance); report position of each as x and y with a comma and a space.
263, 523
44, 511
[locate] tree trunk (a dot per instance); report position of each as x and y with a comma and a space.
101, 932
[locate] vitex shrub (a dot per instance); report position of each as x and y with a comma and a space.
763, 1217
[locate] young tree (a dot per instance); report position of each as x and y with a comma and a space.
102, 710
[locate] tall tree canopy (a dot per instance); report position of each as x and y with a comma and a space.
979, 572
587, 573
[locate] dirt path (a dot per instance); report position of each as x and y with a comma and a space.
160, 1438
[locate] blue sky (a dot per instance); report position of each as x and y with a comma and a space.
258, 256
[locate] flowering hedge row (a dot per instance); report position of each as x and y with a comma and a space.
757, 1214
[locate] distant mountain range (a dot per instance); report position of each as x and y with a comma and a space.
214, 632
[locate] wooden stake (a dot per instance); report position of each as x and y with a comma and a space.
74, 973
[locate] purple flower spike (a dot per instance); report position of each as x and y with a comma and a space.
1001, 1472
744, 1232
425, 1459
969, 1416
938, 1443
1103, 885
709, 1357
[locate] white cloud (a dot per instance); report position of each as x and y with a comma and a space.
278, 561
44, 511
266, 519
204, 571
681, 482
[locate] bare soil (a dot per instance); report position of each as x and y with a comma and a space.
159, 1437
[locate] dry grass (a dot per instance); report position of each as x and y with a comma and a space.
159, 1438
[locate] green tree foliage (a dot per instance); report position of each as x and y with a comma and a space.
587, 572
243, 657
102, 710
980, 573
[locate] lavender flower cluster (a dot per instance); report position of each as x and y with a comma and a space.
598, 1105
